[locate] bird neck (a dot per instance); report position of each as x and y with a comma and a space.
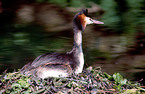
78, 40
77, 51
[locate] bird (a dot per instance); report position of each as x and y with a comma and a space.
63, 64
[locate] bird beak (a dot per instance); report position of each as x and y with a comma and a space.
97, 22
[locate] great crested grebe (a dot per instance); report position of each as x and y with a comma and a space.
63, 64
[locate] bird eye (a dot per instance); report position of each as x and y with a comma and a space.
90, 19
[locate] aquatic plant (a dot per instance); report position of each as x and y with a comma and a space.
90, 81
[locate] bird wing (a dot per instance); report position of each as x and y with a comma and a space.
52, 58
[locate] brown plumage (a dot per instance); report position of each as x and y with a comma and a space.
62, 64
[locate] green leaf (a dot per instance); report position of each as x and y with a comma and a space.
24, 82
16, 85
128, 91
117, 77
13, 92
108, 76
141, 89
123, 81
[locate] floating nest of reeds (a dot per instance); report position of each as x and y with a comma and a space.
91, 81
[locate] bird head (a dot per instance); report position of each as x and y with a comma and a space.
81, 20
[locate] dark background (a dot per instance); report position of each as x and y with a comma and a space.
29, 28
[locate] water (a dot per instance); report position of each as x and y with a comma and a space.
113, 47
111, 53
